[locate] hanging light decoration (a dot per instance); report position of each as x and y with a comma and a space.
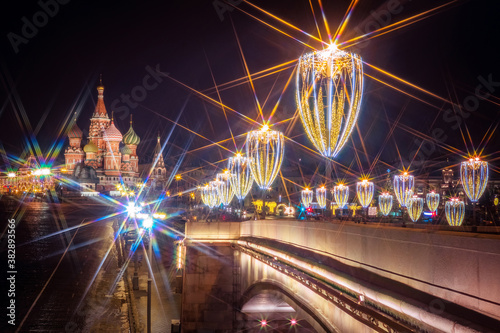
341, 195
364, 189
432, 199
306, 197
241, 176
328, 94
265, 150
226, 193
415, 207
210, 194
474, 177
455, 212
321, 197
403, 188
385, 203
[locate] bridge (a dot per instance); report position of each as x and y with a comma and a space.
338, 277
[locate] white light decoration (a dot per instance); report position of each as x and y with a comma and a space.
474, 177
328, 95
265, 150
455, 212
321, 197
210, 194
306, 197
415, 207
364, 189
226, 193
181, 250
341, 195
385, 203
432, 199
404, 185
241, 175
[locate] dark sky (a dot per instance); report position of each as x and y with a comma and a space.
55, 70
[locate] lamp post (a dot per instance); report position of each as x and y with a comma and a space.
177, 179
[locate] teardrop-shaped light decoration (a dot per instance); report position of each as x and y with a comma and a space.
341, 195
432, 199
415, 207
241, 179
364, 189
210, 194
306, 196
265, 150
226, 193
403, 188
321, 197
385, 203
455, 212
474, 177
328, 95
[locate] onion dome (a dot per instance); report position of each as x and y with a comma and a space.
112, 133
90, 148
75, 132
126, 150
131, 138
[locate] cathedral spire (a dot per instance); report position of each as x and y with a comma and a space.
100, 108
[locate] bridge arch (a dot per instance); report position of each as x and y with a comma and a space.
303, 309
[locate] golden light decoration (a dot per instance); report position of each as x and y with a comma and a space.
404, 185
181, 250
328, 95
415, 207
265, 150
321, 197
364, 189
341, 195
432, 199
210, 194
385, 203
455, 212
474, 177
241, 179
226, 192
306, 197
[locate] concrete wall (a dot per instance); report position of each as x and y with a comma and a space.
462, 268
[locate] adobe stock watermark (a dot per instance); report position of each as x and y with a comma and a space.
454, 116
121, 106
30, 27
222, 6
379, 18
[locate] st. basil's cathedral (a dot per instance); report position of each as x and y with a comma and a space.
101, 163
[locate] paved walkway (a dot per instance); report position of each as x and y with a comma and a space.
165, 303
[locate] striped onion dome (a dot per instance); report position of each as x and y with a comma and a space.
75, 132
131, 138
90, 148
112, 133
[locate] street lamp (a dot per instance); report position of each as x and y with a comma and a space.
147, 224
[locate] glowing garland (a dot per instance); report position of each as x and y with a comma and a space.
306, 197
403, 188
321, 197
226, 193
241, 179
432, 199
329, 87
474, 177
265, 150
385, 203
364, 189
415, 207
341, 195
455, 212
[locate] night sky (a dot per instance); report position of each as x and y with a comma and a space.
53, 73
